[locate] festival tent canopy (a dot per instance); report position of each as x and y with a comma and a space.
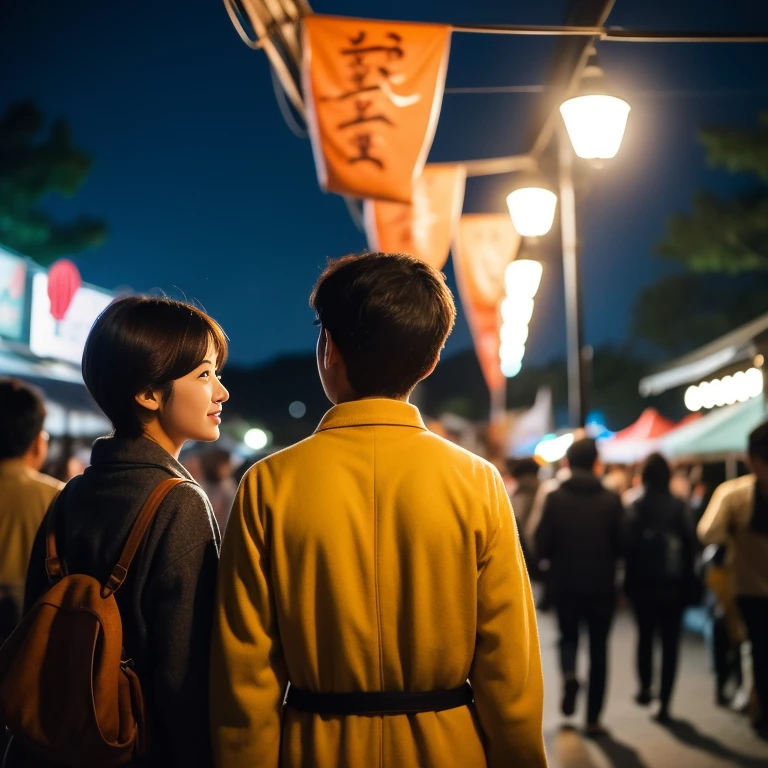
719, 434
638, 440
650, 424
732, 349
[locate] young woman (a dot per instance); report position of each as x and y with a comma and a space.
152, 366
659, 577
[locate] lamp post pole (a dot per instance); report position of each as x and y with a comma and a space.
577, 405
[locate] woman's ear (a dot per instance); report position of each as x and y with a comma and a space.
148, 399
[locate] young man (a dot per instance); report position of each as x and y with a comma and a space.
25, 493
737, 516
375, 566
581, 533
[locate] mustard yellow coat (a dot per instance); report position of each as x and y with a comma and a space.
374, 556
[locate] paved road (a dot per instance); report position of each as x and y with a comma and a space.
702, 735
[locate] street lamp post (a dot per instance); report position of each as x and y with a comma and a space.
577, 406
594, 120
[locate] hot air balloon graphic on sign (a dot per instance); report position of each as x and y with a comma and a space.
63, 311
63, 283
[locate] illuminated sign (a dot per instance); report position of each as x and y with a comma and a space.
13, 280
739, 388
63, 339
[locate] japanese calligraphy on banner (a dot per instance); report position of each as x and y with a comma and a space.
485, 244
373, 91
425, 226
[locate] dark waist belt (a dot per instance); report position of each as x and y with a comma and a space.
378, 702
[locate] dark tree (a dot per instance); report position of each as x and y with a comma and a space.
723, 247
35, 163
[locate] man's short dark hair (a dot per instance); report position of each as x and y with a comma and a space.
758, 442
656, 473
142, 342
582, 454
389, 314
23, 416
524, 468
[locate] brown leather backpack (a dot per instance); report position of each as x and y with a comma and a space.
66, 693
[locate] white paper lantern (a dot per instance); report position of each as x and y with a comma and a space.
532, 210
595, 124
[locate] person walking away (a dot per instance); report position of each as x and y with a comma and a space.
218, 483
25, 493
581, 534
737, 515
540, 567
151, 364
525, 474
375, 566
659, 578
617, 478
728, 631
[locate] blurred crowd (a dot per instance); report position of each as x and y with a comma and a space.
663, 541
678, 545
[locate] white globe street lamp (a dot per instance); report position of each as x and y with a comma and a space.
521, 279
595, 118
532, 209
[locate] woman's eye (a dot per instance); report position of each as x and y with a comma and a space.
205, 374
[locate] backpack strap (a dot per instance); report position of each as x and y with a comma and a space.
53, 565
151, 505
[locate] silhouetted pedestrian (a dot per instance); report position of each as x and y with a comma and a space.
659, 576
737, 516
581, 533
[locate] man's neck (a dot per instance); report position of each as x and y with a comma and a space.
18, 461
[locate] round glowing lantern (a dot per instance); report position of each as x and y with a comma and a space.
63, 283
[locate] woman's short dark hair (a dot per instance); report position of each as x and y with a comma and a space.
389, 314
143, 342
23, 416
656, 473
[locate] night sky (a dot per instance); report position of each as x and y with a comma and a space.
208, 195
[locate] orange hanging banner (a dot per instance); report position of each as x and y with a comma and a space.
424, 227
485, 244
373, 91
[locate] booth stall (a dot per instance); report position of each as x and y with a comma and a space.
45, 318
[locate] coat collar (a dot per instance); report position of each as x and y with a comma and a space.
137, 451
375, 411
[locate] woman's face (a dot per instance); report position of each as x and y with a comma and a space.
193, 411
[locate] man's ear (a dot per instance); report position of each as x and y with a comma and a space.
38, 451
148, 399
330, 351
431, 368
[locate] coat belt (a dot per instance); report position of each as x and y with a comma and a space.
378, 702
